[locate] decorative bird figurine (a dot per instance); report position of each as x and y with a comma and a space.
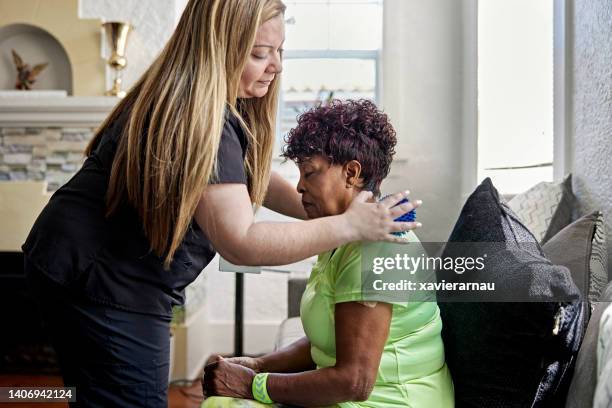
26, 76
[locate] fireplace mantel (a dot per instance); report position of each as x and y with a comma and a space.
69, 111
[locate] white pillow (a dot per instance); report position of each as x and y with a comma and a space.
603, 392
545, 208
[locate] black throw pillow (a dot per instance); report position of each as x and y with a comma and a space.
514, 346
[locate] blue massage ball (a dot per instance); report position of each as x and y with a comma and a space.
410, 216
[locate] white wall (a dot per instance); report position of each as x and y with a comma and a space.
153, 21
429, 92
590, 68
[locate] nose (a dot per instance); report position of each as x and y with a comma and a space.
300, 186
276, 66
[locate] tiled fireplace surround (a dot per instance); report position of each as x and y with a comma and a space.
44, 139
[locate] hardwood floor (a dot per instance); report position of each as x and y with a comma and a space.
178, 397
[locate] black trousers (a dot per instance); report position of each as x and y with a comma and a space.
114, 358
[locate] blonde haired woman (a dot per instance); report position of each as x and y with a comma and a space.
170, 178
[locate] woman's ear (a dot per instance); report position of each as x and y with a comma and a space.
352, 172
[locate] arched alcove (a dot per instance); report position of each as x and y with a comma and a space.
80, 39
34, 45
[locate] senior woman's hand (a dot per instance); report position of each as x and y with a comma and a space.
373, 221
250, 362
227, 379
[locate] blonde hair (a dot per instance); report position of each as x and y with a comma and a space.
168, 149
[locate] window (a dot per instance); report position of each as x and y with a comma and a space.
515, 93
332, 50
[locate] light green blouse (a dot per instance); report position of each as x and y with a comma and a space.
412, 370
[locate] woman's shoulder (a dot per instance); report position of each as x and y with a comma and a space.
232, 128
411, 244
347, 252
109, 136
358, 248
361, 252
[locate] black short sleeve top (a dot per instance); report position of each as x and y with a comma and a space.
109, 259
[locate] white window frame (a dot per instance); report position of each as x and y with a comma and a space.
371, 55
562, 101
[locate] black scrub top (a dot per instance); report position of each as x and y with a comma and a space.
109, 259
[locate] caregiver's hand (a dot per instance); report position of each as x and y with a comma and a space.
373, 221
227, 379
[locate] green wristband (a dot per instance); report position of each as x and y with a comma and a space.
260, 392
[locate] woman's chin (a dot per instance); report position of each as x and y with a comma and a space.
311, 212
256, 93
260, 91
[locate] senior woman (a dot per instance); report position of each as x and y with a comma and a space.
171, 177
361, 349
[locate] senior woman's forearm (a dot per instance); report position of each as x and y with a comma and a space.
291, 359
320, 387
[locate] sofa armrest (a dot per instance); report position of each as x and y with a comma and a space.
295, 289
289, 331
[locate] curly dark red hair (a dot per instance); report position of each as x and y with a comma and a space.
342, 131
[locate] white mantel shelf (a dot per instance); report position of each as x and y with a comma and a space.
69, 111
